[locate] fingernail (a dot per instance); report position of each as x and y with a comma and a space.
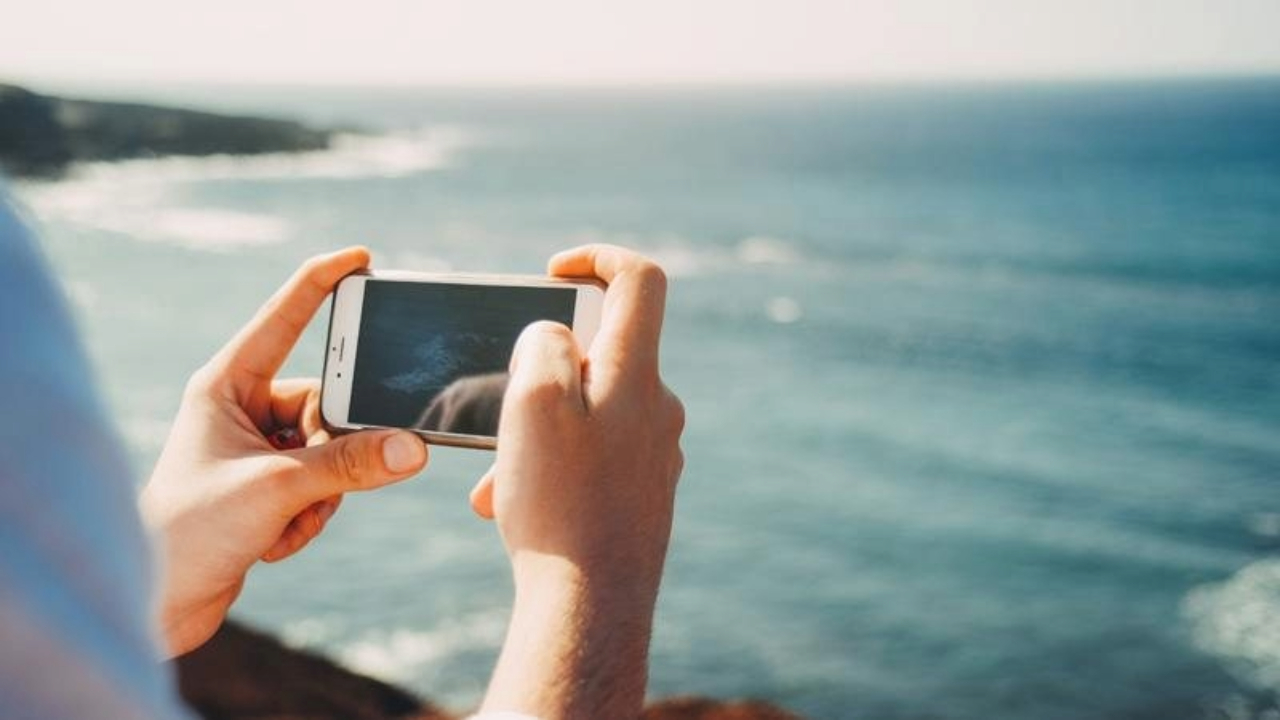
402, 452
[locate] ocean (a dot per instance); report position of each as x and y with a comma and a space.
983, 380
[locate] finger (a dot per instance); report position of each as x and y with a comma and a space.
303, 528
545, 364
295, 402
290, 398
359, 461
316, 436
296, 535
482, 496
631, 324
261, 347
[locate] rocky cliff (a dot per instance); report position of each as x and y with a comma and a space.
242, 673
40, 134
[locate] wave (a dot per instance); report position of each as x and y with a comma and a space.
1239, 621
401, 654
145, 434
684, 257
195, 228
140, 198
348, 156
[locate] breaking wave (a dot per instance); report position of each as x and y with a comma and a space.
142, 198
403, 654
1239, 621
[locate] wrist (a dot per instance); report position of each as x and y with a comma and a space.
577, 645
608, 583
562, 601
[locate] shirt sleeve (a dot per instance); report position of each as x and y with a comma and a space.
76, 632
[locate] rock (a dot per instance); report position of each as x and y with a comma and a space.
32, 142
41, 135
243, 673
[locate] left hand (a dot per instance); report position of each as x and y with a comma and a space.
221, 496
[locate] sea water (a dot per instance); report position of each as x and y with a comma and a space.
983, 382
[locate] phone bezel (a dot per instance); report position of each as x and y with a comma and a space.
342, 340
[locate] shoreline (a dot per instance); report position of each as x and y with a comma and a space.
41, 136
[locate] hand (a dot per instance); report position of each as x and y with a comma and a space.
221, 496
583, 491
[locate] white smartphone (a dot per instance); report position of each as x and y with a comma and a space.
429, 352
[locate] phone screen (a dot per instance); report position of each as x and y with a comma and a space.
434, 356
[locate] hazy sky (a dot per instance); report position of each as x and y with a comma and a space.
584, 41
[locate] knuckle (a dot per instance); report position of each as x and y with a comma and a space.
348, 464
549, 330
282, 474
539, 390
282, 467
311, 267
541, 338
653, 279
548, 363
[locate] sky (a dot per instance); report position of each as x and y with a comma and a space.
468, 42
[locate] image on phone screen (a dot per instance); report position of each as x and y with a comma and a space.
434, 356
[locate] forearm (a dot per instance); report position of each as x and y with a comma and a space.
577, 646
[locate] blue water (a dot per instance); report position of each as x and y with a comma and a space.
983, 382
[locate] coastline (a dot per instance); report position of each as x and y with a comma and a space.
42, 135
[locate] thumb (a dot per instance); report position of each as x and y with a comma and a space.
546, 356
361, 461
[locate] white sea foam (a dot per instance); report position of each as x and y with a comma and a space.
1265, 524
681, 260
680, 256
197, 228
309, 632
348, 156
211, 228
1239, 620
136, 198
144, 433
761, 250
783, 310
400, 655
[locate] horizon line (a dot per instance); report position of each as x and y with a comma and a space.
38, 81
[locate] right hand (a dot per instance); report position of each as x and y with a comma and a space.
589, 447
583, 491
